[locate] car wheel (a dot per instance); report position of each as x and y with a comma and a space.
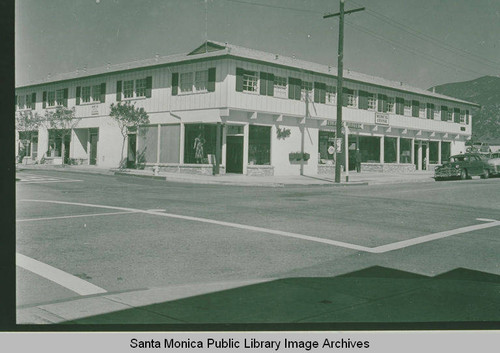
486, 174
463, 174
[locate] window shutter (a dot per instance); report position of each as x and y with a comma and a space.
319, 92
33, 100
211, 80
467, 117
430, 111
291, 88
345, 100
118, 91
415, 105
270, 84
382, 103
263, 83
239, 79
78, 94
400, 106
298, 88
363, 100
457, 115
444, 113
65, 97
175, 83
44, 99
149, 86
103, 93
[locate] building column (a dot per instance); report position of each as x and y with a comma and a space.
412, 151
181, 147
218, 136
382, 152
224, 137
427, 154
398, 149
419, 160
245, 148
439, 152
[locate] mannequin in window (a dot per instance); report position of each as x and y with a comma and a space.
198, 148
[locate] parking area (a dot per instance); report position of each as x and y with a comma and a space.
106, 244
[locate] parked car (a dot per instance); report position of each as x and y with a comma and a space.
494, 162
463, 166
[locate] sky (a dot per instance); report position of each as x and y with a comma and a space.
422, 43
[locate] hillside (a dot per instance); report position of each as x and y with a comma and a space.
486, 92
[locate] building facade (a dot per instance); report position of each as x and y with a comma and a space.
227, 109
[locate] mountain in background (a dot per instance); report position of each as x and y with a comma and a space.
486, 92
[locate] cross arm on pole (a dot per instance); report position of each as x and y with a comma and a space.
345, 13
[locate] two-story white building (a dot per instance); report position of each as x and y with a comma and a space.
230, 109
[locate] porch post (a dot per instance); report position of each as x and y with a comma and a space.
419, 166
382, 152
398, 149
216, 170
246, 130
427, 154
439, 152
224, 137
412, 151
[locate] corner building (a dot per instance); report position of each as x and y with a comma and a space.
227, 109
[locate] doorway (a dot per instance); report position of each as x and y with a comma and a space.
234, 154
93, 148
131, 150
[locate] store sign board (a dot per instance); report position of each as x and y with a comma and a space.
94, 110
331, 123
382, 119
354, 126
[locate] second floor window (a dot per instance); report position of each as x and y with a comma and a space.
280, 87
128, 89
86, 94
421, 111
250, 81
51, 98
331, 94
186, 82
407, 107
306, 90
96, 93
140, 87
372, 101
200, 80
351, 98
391, 105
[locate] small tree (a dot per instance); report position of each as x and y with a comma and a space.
28, 123
61, 121
127, 116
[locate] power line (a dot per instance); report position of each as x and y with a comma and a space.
423, 36
274, 6
429, 57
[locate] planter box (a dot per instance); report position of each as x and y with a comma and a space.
260, 170
196, 169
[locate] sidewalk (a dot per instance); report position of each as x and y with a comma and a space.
355, 179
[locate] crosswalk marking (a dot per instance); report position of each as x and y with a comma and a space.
41, 179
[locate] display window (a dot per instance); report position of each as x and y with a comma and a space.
259, 145
199, 143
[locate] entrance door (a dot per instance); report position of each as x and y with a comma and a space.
234, 154
415, 155
93, 149
132, 148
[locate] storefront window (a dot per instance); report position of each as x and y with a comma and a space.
369, 147
445, 151
433, 152
199, 143
390, 149
259, 145
326, 139
405, 151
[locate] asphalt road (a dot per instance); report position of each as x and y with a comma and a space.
129, 235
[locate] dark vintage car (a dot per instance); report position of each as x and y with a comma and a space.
463, 166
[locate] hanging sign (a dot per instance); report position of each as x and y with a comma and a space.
354, 126
382, 119
331, 150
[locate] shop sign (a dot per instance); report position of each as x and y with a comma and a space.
354, 126
382, 119
94, 110
331, 123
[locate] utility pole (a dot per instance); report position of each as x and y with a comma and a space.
340, 76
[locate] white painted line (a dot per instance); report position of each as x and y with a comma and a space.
48, 181
377, 250
74, 216
486, 220
53, 274
430, 237
156, 210
221, 223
